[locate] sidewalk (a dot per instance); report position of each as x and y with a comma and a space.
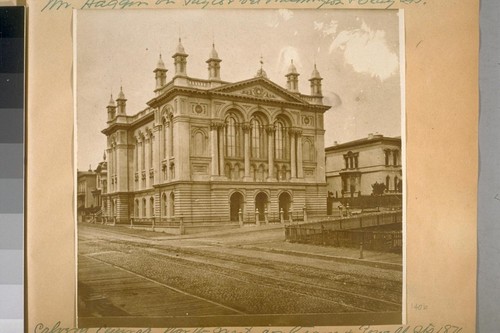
268, 238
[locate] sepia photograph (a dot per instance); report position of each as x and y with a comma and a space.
239, 167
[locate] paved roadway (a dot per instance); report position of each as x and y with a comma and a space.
121, 274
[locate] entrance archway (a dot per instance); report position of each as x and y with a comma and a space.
284, 202
261, 204
235, 203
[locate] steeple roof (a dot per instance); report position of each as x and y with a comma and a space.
121, 95
315, 74
213, 53
292, 69
160, 64
180, 49
111, 101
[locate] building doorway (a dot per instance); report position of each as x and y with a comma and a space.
285, 204
235, 203
261, 204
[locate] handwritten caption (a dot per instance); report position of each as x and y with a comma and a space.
429, 328
56, 5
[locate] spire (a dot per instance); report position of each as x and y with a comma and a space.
213, 64
292, 78
213, 54
315, 74
111, 109
292, 69
160, 75
316, 83
121, 102
261, 72
180, 61
121, 95
180, 48
104, 156
111, 101
160, 64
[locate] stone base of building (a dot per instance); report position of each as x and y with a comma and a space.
201, 207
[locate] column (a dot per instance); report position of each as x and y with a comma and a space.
147, 157
168, 150
246, 132
220, 129
300, 170
293, 160
270, 152
156, 154
215, 148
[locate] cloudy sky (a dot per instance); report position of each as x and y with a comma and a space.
356, 52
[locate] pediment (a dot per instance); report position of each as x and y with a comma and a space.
260, 88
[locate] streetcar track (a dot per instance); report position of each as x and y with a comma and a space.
166, 285
267, 276
360, 297
269, 285
153, 246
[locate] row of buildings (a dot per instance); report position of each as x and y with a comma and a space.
212, 152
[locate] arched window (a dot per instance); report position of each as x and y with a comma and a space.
280, 141
199, 143
151, 139
387, 182
165, 138
143, 154
396, 183
256, 127
136, 208
144, 207
165, 204
151, 207
172, 204
231, 135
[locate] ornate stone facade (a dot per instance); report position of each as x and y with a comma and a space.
216, 153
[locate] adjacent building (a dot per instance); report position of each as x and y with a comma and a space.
213, 152
353, 167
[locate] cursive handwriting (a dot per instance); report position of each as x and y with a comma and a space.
428, 328
57, 5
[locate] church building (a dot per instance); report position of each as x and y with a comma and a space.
212, 153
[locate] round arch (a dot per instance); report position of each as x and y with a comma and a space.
285, 203
261, 204
236, 202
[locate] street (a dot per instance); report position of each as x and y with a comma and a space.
124, 273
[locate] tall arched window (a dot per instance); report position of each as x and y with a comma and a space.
231, 142
172, 204
143, 154
143, 207
151, 139
165, 205
136, 207
279, 141
256, 127
387, 182
165, 139
151, 207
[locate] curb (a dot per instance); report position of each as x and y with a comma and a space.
376, 264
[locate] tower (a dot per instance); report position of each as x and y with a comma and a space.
292, 78
213, 65
160, 74
111, 109
180, 60
121, 102
316, 83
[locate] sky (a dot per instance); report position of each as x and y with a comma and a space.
356, 53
